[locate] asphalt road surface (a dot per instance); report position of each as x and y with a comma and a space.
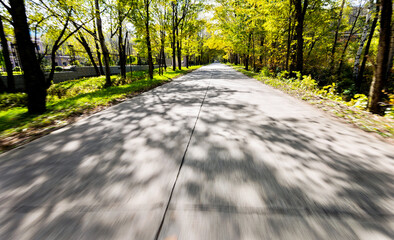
211, 155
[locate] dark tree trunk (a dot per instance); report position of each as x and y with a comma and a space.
360, 75
81, 39
3, 87
248, 52
148, 43
122, 54
6, 55
336, 37
382, 59
173, 40
98, 53
53, 64
104, 49
162, 54
33, 76
178, 49
300, 15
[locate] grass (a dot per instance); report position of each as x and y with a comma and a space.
70, 99
328, 101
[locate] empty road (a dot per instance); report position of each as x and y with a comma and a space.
211, 155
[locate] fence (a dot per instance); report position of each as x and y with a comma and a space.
78, 72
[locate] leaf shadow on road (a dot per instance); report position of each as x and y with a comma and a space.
273, 171
105, 177
110, 176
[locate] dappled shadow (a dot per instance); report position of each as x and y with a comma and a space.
271, 166
103, 174
259, 164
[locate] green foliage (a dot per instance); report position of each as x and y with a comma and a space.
11, 100
283, 75
307, 83
359, 101
329, 91
17, 69
265, 72
58, 69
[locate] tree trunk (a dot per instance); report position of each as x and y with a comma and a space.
360, 76
248, 52
122, 54
300, 15
53, 64
98, 53
104, 49
81, 39
6, 55
382, 58
148, 43
336, 37
173, 40
178, 49
33, 76
361, 46
162, 53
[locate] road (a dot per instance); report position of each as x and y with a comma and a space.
211, 155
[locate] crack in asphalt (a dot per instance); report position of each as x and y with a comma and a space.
183, 160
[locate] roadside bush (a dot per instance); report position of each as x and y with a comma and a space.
307, 83
359, 101
283, 75
330, 92
17, 69
58, 69
10, 100
265, 72
57, 90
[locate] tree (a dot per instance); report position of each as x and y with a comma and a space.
336, 36
103, 46
360, 75
33, 75
7, 61
82, 40
300, 11
361, 44
121, 9
382, 59
351, 32
142, 19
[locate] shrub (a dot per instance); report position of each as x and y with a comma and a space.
17, 69
308, 83
58, 69
265, 72
283, 75
330, 92
57, 90
9, 100
359, 101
